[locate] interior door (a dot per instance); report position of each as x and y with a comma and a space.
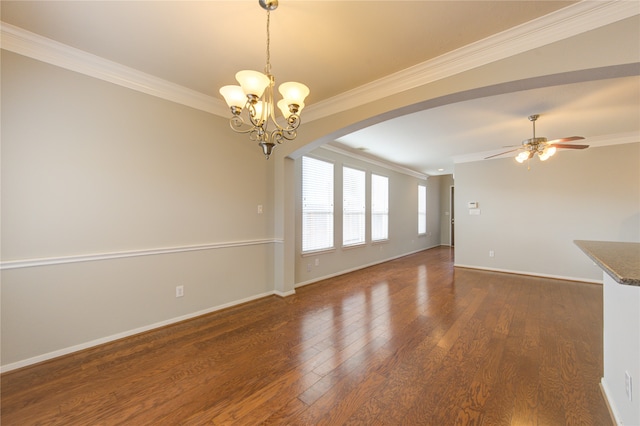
453, 219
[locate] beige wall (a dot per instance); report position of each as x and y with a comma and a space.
93, 169
530, 218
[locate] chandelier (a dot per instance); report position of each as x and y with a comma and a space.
254, 98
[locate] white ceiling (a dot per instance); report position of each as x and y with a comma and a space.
336, 47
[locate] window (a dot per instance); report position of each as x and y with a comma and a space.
353, 195
422, 209
379, 207
317, 204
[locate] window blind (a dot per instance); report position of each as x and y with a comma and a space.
353, 219
422, 209
317, 204
379, 207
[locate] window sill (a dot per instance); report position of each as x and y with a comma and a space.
385, 241
317, 252
352, 246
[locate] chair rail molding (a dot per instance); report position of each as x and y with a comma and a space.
48, 261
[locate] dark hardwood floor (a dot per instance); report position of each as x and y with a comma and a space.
408, 342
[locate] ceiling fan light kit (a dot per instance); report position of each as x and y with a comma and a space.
540, 146
255, 96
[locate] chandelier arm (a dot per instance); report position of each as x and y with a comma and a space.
257, 134
293, 122
236, 123
279, 135
256, 121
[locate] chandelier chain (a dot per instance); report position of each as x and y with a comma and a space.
267, 67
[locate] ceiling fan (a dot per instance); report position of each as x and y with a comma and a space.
541, 146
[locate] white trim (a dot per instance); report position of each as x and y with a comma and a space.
26, 43
284, 293
346, 271
607, 395
564, 23
375, 161
117, 336
48, 261
617, 139
531, 274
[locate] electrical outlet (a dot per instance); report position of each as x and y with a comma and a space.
628, 385
259, 208
491, 253
317, 262
308, 267
179, 291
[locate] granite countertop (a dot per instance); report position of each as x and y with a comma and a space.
620, 260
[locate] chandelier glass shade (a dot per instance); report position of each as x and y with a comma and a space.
253, 98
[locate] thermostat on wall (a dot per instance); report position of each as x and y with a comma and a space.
472, 205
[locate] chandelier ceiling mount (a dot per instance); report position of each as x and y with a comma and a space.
254, 99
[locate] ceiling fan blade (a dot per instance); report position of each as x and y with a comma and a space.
569, 146
502, 153
567, 139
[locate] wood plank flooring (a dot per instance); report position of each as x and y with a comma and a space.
408, 342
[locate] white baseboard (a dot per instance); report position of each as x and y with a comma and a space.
284, 293
357, 268
609, 401
531, 274
129, 333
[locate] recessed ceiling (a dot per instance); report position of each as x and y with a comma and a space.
434, 138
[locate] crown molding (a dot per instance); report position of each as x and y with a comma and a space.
564, 23
26, 43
